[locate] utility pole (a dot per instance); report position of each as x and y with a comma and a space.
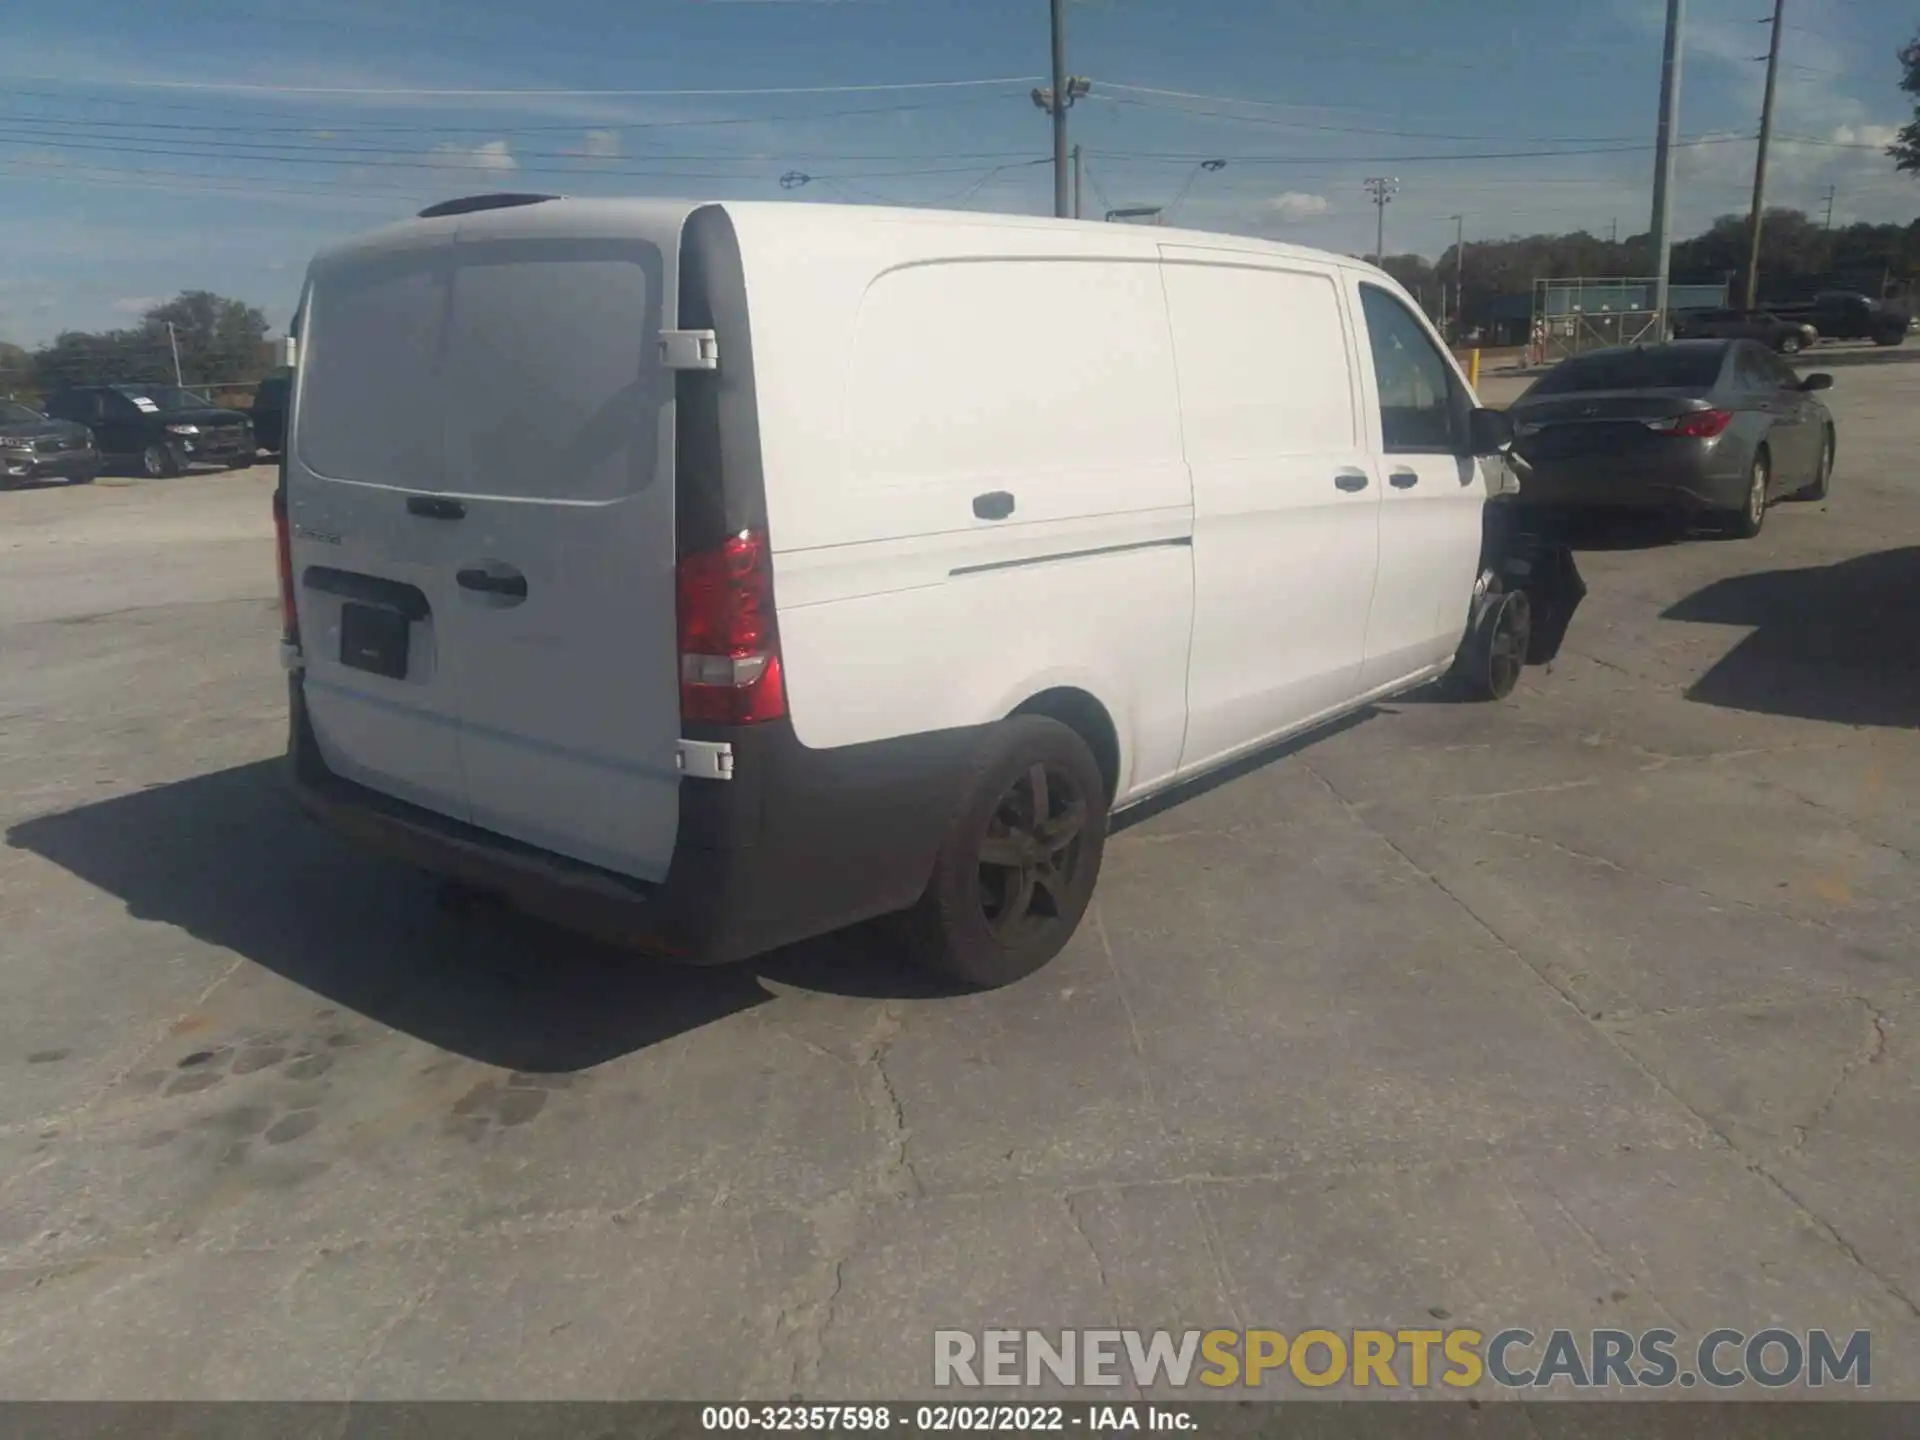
1460, 273
1613, 231
173, 343
1056, 99
1669, 128
1060, 103
1076, 182
1760, 157
1381, 188
1832, 191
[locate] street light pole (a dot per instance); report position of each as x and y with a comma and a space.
1663, 161
1076, 182
173, 343
1760, 157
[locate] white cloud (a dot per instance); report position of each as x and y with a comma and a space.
137, 304
1297, 205
493, 155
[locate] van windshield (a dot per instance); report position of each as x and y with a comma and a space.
1693, 370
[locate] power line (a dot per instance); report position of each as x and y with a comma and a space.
467, 160
223, 148
496, 128
1339, 160
1219, 99
1323, 128
419, 92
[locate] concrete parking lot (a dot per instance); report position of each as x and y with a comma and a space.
1598, 1007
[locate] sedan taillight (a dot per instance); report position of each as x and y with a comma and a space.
1695, 424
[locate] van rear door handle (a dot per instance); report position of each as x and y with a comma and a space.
435, 507
994, 505
1403, 479
474, 578
1351, 480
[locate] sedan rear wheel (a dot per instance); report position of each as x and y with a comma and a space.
1745, 523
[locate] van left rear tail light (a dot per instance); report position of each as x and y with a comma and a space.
283, 548
730, 670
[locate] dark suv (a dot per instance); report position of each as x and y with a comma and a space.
32, 447
1786, 334
270, 411
163, 428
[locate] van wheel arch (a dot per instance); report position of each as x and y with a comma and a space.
1089, 719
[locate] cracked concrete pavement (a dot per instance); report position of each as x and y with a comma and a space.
1597, 1007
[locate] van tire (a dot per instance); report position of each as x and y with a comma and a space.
1488, 663
961, 926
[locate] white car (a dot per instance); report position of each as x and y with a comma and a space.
719, 575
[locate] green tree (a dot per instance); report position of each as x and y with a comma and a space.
1905, 150
16, 367
221, 341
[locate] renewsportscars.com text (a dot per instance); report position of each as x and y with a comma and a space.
1457, 1358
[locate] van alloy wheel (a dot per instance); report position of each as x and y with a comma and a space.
1030, 853
1017, 866
1491, 658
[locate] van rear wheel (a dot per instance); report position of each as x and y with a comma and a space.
1018, 864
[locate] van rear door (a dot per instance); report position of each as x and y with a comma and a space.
373, 580
559, 442
481, 500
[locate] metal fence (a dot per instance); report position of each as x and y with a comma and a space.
1576, 314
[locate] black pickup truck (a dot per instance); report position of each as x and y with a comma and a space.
1847, 315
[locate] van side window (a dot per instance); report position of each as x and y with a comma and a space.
1419, 397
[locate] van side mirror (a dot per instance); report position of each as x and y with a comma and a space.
1489, 432
1817, 382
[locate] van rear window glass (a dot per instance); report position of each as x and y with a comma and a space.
1694, 370
522, 368
553, 386
370, 388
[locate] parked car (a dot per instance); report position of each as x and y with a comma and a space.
1848, 315
1786, 336
720, 629
269, 412
162, 428
34, 446
1714, 427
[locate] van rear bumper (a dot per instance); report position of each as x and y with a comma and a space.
799, 843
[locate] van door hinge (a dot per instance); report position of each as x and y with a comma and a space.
705, 759
689, 350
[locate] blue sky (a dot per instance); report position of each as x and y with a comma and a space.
215, 144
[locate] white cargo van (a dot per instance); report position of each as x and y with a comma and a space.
718, 575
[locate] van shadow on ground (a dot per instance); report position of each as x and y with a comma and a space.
228, 858
1836, 642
